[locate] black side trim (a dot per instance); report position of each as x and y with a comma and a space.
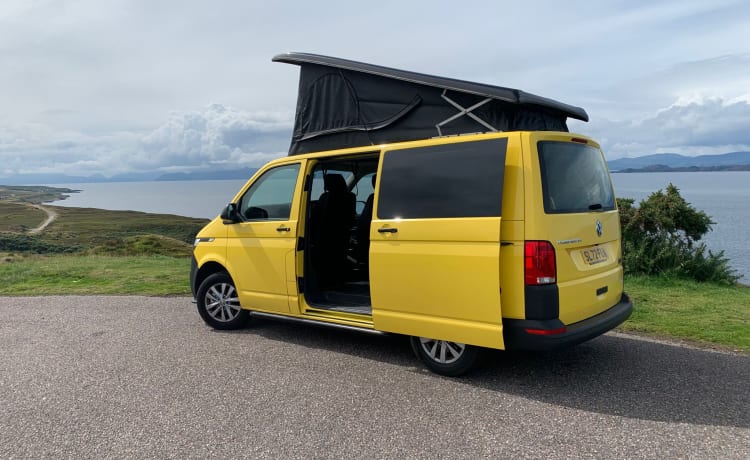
193, 275
516, 337
542, 302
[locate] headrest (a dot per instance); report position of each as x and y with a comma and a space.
335, 183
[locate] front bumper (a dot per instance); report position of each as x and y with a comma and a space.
544, 336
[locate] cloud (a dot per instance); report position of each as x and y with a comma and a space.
125, 85
689, 126
726, 77
216, 137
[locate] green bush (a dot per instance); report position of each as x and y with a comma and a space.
661, 237
16, 242
144, 245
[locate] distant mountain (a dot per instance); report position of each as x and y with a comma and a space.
673, 161
47, 179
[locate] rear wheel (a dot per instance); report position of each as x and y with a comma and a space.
219, 304
445, 357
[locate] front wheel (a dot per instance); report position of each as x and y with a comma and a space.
219, 304
445, 357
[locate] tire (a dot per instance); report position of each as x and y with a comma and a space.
446, 358
218, 303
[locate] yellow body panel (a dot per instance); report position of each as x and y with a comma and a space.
257, 259
578, 298
438, 279
215, 249
512, 231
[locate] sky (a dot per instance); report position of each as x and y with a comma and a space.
120, 86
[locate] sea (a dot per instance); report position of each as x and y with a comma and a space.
724, 196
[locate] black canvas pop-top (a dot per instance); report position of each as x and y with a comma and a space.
343, 103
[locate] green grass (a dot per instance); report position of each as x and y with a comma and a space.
701, 312
88, 275
19, 217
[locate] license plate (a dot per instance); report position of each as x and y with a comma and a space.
593, 256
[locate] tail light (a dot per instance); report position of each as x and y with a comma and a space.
559, 330
539, 263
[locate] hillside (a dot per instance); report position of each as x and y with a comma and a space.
673, 161
86, 230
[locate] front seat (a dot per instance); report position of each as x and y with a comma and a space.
332, 222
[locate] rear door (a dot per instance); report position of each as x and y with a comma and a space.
435, 241
571, 203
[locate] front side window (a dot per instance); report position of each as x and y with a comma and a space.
574, 178
444, 181
270, 197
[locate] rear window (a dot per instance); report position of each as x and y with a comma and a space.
574, 178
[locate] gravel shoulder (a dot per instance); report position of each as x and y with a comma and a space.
112, 377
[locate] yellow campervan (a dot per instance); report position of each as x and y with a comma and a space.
505, 239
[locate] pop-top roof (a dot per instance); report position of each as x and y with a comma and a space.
343, 103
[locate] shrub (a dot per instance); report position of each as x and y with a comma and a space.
661, 237
140, 245
15, 242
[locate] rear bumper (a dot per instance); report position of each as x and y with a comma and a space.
517, 337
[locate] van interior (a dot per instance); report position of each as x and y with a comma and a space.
337, 234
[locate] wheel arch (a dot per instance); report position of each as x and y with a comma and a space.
208, 269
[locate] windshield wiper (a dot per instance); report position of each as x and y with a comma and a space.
596, 207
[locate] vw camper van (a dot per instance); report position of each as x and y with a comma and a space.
391, 216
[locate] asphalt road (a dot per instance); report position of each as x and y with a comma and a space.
114, 377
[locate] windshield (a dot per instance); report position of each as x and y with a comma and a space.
574, 178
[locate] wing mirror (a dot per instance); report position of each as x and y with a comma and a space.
230, 215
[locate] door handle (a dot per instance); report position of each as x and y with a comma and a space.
283, 229
387, 230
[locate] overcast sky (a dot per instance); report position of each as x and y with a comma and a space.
115, 86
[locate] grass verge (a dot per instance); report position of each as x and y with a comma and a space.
132, 275
698, 312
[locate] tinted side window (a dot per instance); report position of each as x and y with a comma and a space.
443, 181
574, 178
270, 197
